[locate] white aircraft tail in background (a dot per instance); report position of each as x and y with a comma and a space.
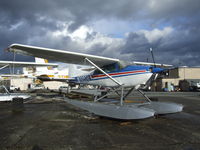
42, 69
49, 73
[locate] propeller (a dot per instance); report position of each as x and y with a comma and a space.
157, 71
151, 51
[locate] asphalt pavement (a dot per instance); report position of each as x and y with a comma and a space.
47, 122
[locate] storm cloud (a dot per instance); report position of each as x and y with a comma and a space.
123, 29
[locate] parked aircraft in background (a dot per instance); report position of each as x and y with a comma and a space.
6, 95
50, 73
15, 64
47, 73
111, 73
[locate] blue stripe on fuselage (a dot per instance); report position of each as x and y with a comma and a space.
116, 76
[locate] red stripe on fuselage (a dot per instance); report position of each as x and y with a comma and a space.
120, 73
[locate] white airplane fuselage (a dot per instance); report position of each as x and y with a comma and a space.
128, 76
127, 81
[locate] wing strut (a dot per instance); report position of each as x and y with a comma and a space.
4, 67
118, 83
6, 90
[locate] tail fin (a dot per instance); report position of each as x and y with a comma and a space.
42, 69
40, 60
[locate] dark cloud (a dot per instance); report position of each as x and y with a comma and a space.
180, 47
34, 22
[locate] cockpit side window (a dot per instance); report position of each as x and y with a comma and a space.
108, 68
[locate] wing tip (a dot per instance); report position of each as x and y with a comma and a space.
10, 47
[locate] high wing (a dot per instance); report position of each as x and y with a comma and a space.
26, 64
60, 55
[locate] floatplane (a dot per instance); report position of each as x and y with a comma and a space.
112, 73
